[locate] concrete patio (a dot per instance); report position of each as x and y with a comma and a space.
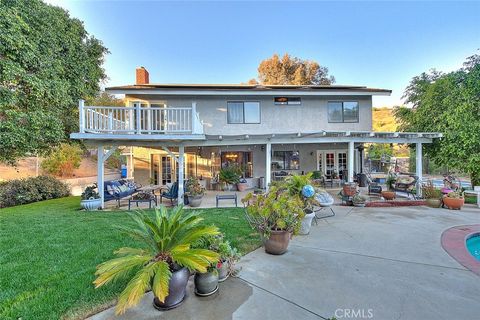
377, 263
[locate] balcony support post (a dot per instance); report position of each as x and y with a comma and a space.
81, 115
181, 153
193, 116
138, 117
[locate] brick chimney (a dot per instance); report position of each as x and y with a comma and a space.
142, 76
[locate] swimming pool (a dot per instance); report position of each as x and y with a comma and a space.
473, 246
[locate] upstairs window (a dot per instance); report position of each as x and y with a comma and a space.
243, 112
287, 100
342, 111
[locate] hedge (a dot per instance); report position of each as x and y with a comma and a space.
28, 190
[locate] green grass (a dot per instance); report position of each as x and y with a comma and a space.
49, 251
471, 199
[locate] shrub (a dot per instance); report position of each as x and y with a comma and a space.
63, 160
22, 191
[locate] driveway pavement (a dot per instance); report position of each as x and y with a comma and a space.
364, 263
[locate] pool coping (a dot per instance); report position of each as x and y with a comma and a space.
454, 240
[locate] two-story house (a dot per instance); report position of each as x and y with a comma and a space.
182, 130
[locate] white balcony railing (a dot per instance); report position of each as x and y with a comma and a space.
139, 120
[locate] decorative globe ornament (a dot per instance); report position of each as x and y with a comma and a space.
308, 191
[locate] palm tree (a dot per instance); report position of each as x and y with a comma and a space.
167, 238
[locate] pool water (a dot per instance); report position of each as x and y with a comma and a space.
473, 246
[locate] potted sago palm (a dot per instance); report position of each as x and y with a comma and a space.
164, 262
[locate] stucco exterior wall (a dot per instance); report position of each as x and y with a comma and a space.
311, 115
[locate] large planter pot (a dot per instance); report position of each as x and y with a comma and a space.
277, 243
195, 201
177, 289
388, 195
91, 204
453, 203
306, 223
433, 203
206, 283
349, 190
242, 186
223, 271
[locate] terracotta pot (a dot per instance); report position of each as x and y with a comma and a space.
433, 203
277, 243
453, 203
349, 190
177, 289
242, 186
388, 195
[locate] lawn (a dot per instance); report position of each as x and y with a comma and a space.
49, 251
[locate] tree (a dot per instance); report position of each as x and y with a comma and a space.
105, 99
450, 104
63, 160
47, 62
292, 70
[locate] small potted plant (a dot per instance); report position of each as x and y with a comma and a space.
165, 260
276, 215
195, 192
90, 198
349, 189
229, 176
301, 186
359, 200
242, 184
454, 200
432, 195
389, 194
228, 257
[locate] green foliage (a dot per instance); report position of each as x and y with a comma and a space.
275, 210
450, 104
377, 150
167, 240
52, 249
455, 195
63, 160
217, 243
391, 179
292, 70
430, 192
90, 192
294, 184
317, 175
47, 62
194, 188
230, 174
22, 191
104, 99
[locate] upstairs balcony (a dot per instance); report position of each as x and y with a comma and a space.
139, 120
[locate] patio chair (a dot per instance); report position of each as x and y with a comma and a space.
325, 202
171, 193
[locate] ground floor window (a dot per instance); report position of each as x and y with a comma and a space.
286, 160
242, 159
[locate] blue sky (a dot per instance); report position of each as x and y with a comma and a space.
378, 44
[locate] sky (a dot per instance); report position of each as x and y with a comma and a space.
376, 44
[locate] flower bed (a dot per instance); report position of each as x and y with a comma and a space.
396, 203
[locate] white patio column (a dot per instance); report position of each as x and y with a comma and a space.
268, 164
419, 168
350, 156
181, 152
100, 171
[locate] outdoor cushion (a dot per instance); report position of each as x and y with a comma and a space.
110, 190
405, 179
123, 188
324, 199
